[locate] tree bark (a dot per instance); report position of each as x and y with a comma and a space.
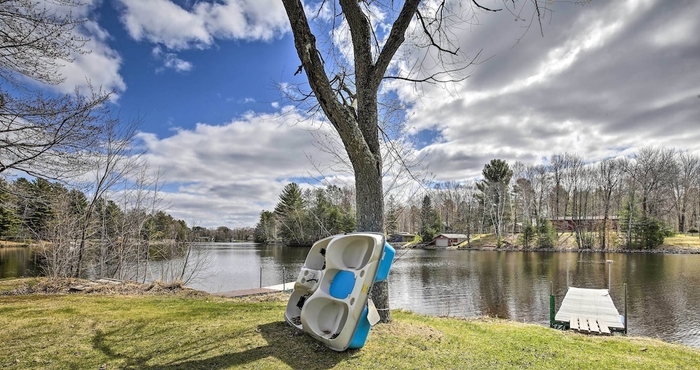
358, 127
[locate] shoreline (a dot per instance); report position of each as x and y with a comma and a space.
577, 250
666, 250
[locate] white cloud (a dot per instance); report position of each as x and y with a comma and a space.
226, 174
170, 61
164, 22
98, 67
596, 82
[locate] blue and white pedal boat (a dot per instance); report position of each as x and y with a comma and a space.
330, 298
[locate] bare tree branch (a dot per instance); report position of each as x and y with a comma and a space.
485, 8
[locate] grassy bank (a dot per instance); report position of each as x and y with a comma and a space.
195, 331
567, 241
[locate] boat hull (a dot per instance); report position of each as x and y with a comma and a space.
330, 297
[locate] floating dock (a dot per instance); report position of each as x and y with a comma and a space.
588, 311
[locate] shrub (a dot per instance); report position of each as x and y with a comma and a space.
546, 235
586, 240
650, 232
528, 235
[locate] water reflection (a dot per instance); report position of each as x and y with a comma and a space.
235, 266
16, 262
663, 300
663, 295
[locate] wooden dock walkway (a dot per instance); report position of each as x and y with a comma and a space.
255, 291
589, 311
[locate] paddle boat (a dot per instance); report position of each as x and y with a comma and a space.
330, 297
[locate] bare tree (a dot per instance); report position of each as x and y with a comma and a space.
354, 114
42, 135
653, 170
609, 178
687, 180
557, 165
467, 208
524, 192
360, 56
113, 164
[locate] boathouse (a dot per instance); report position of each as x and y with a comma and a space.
449, 240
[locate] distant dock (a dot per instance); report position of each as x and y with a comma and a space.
590, 311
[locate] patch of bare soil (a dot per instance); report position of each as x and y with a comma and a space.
103, 286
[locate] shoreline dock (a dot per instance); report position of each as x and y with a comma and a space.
589, 311
283, 287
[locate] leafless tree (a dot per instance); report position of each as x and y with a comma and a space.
687, 180
467, 208
346, 71
653, 170
609, 178
44, 135
557, 166
113, 164
541, 186
524, 192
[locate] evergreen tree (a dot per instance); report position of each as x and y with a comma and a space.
265, 229
292, 216
9, 221
494, 193
431, 225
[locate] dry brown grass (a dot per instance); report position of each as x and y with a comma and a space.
103, 287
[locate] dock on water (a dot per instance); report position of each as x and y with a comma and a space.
589, 311
255, 291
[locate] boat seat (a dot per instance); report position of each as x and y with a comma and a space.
342, 284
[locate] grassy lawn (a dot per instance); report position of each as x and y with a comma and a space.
85, 331
568, 241
683, 241
480, 240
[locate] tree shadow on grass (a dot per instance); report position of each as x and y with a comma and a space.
287, 344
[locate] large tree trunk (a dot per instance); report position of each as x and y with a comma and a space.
358, 127
370, 211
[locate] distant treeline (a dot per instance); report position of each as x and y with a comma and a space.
302, 217
630, 201
222, 234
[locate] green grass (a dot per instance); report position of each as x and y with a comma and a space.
568, 240
172, 332
480, 240
683, 240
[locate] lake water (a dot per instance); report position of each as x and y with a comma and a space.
663, 290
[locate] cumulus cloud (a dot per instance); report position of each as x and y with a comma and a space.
165, 22
597, 81
226, 174
170, 61
100, 66
605, 76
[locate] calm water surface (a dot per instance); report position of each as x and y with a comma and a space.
663, 290
17, 262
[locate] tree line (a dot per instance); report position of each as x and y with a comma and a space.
303, 216
625, 202
112, 237
630, 201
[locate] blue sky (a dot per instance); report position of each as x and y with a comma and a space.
213, 84
205, 77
